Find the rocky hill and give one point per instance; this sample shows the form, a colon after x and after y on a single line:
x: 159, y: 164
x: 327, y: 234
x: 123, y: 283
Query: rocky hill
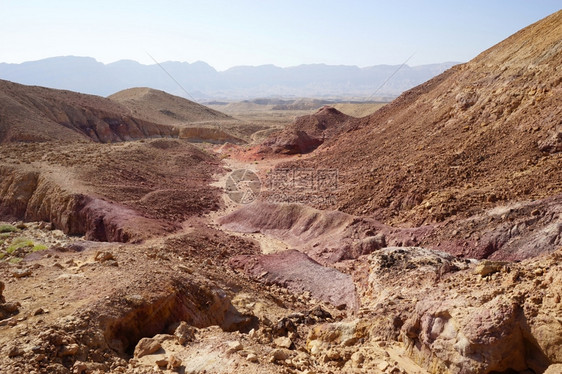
x: 32, y: 114
x: 161, y: 107
x: 109, y: 192
x: 481, y: 140
x: 307, y: 133
x: 134, y: 257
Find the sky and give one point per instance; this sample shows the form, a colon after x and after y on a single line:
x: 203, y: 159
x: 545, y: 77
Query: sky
x: 226, y: 33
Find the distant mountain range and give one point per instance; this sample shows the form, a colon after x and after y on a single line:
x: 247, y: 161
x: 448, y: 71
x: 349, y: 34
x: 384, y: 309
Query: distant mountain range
x: 202, y: 82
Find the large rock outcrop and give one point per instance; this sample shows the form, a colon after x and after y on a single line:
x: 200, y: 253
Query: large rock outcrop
x: 458, y: 317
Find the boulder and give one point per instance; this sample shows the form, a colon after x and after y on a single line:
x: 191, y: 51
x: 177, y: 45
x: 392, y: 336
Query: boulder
x: 234, y: 346
x: 146, y: 346
x: 554, y: 369
x: 184, y: 333
x: 488, y: 267
x: 283, y: 342
x: 279, y: 354
x: 326, y: 335
x: 174, y: 362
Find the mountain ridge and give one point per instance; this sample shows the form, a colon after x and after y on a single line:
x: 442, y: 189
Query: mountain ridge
x: 202, y: 81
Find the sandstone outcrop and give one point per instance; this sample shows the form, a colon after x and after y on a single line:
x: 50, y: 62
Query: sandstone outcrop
x: 510, y: 322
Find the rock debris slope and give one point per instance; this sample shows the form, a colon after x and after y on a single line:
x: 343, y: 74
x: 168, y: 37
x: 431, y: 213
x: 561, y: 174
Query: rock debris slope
x: 482, y: 137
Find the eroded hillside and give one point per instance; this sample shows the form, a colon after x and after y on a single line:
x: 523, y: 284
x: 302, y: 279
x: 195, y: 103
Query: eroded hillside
x: 483, y: 137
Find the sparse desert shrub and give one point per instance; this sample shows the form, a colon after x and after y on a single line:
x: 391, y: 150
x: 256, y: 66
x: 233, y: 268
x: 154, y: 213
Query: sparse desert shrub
x: 6, y: 228
x: 19, y: 243
x: 19, y: 247
x: 38, y: 247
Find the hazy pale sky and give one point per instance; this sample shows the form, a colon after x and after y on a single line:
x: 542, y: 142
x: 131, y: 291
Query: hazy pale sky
x: 226, y: 33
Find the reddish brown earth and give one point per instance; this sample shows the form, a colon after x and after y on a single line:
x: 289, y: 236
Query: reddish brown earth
x: 117, y: 192
x: 326, y: 236
x: 480, y: 137
x: 297, y: 272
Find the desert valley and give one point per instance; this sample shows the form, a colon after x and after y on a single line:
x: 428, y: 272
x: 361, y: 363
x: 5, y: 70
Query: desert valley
x: 146, y: 233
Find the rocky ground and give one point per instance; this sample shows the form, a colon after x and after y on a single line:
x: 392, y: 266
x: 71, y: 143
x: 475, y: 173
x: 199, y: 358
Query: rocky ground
x: 83, y: 306
x: 204, y: 298
x: 183, y: 303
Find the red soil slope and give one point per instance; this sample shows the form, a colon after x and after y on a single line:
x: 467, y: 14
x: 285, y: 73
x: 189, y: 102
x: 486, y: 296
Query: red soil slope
x: 482, y: 135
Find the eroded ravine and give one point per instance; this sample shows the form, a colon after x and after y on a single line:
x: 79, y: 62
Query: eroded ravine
x: 268, y: 244
x: 399, y: 279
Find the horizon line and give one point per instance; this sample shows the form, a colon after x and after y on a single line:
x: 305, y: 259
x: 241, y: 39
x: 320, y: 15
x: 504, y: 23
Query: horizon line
x: 232, y: 67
